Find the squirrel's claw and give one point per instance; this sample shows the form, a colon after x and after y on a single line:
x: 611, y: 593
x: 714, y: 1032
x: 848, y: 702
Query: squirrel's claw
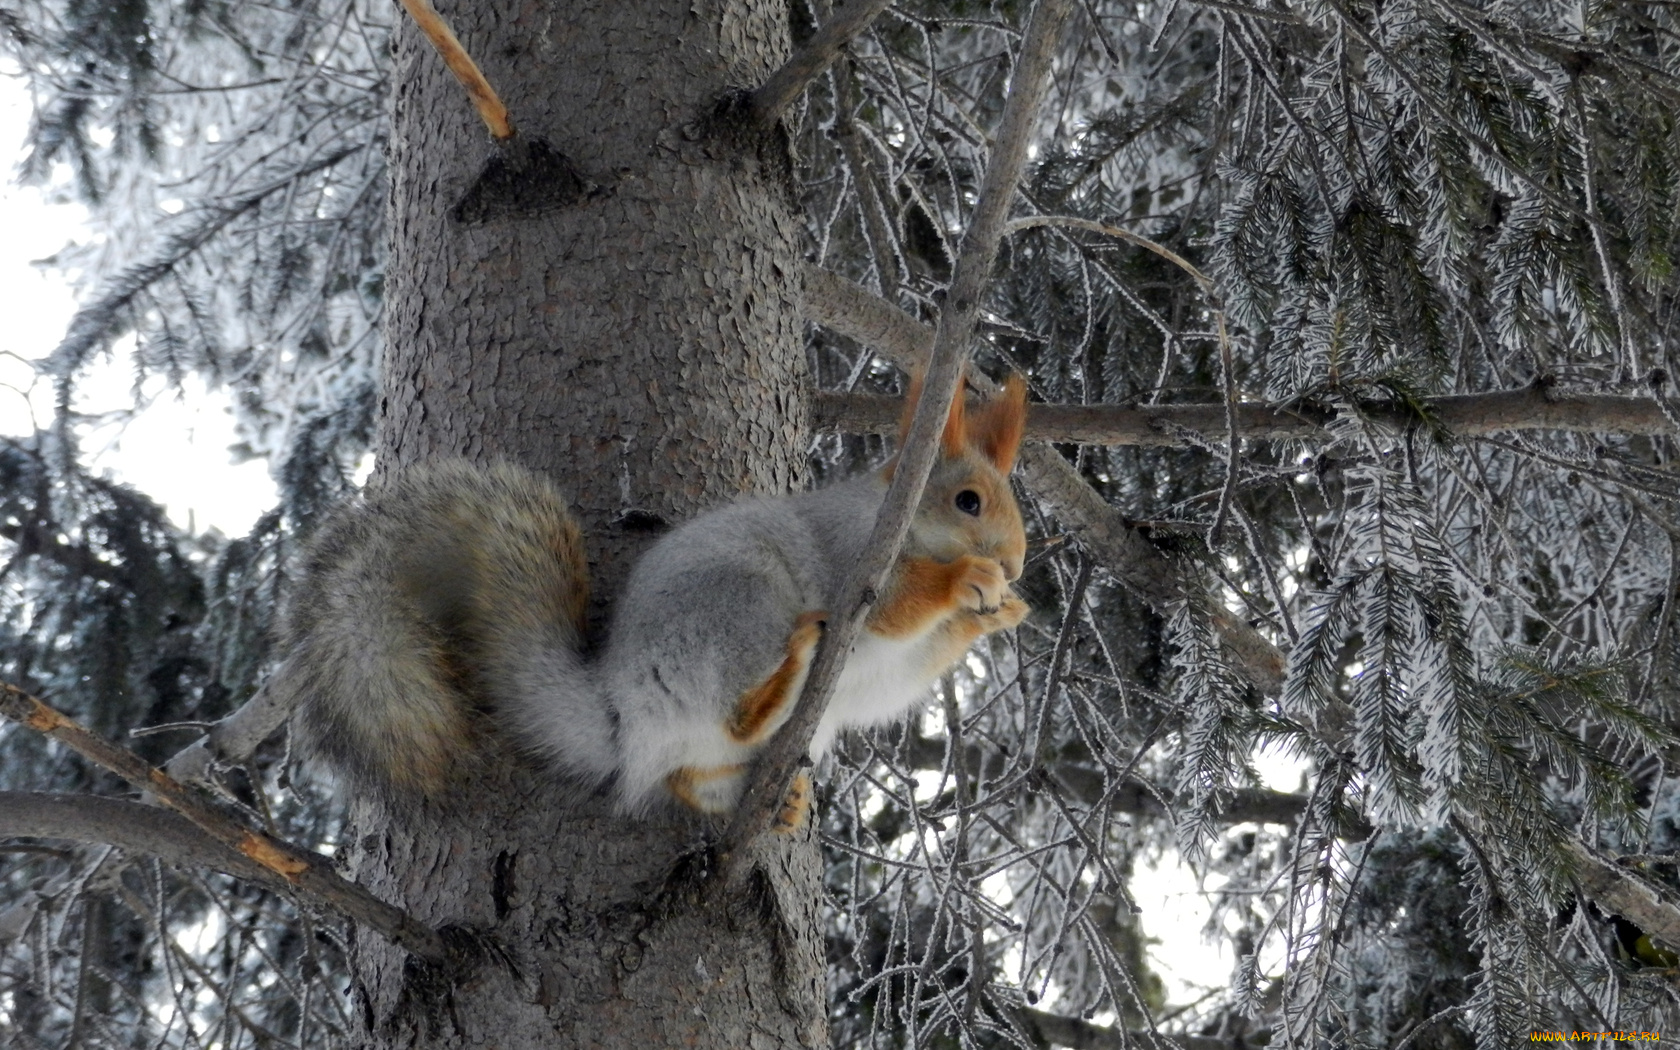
x: 986, y: 585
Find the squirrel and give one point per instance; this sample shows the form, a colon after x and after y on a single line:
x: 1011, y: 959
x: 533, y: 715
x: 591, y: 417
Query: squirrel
x: 453, y: 599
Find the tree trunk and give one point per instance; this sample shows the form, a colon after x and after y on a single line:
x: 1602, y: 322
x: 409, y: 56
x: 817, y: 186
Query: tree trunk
x: 636, y: 334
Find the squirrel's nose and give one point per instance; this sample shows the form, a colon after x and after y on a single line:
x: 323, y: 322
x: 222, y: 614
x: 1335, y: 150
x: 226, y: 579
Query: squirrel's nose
x: 1011, y: 566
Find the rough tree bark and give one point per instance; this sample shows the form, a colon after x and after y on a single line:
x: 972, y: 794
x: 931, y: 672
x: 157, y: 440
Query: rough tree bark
x: 635, y: 333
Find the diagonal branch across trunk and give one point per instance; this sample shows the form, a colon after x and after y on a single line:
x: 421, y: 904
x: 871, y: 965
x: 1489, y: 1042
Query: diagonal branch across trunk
x: 825, y: 45
x: 853, y: 311
x: 774, y: 769
x: 130, y: 826
x: 307, y: 873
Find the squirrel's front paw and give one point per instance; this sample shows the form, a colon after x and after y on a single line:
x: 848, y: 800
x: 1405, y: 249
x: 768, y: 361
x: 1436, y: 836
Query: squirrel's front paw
x: 1009, y: 613
x: 982, y: 586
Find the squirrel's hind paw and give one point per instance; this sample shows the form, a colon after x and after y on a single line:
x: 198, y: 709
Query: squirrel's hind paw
x: 796, y: 807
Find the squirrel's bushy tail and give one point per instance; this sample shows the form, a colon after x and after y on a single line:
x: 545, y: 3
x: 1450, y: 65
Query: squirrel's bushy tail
x: 451, y: 592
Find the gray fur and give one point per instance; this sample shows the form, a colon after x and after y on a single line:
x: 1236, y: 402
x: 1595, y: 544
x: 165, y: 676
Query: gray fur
x: 391, y: 655
x: 706, y: 613
x: 457, y: 592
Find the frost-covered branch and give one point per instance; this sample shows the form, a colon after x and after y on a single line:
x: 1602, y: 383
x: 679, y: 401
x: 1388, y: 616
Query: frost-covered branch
x: 773, y: 770
x: 1086, y: 784
x: 1621, y: 892
x: 825, y: 45
x: 1055, y: 1030
x: 853, y: 311
x: 99, y: 318
x: 1463, y: 415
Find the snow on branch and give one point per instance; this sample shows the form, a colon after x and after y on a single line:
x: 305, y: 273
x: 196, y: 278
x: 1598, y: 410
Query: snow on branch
x: 95, y: 321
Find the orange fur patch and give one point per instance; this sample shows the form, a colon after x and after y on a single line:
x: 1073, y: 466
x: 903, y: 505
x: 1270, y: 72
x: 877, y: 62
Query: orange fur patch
x: 953, y: 439
x: 952, y: 639
x: 758, y: 706
x: 920, y: 592
x: 996, y: 427
x: 796, y: 807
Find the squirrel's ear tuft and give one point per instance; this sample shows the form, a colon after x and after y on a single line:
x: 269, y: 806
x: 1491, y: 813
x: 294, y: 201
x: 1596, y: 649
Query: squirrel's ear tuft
x: 912, y: 394
x: 997, y: 426
x: 954, y: 439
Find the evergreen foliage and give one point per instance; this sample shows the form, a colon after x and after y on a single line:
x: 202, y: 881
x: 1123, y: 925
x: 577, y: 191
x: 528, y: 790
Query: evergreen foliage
x: 1394, y: 199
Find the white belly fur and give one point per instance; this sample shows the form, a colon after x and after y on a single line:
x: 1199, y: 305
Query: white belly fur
x: 882, y: 679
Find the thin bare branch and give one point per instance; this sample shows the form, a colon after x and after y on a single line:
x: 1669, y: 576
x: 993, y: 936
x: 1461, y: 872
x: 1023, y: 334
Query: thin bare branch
x: 853, y: 311
x: 1464, y: 415
x: 308, y: 873
x: 1142, y: 567
x: 233, y: 739
x: 787, y: 83
x: 1074, y: 222
x: 133, y: 827
x: 774, y: 769
x: 484, y: 97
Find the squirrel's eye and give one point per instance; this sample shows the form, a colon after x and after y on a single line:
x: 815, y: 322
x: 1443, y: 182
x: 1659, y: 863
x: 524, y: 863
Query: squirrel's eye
x: 968, y: 501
